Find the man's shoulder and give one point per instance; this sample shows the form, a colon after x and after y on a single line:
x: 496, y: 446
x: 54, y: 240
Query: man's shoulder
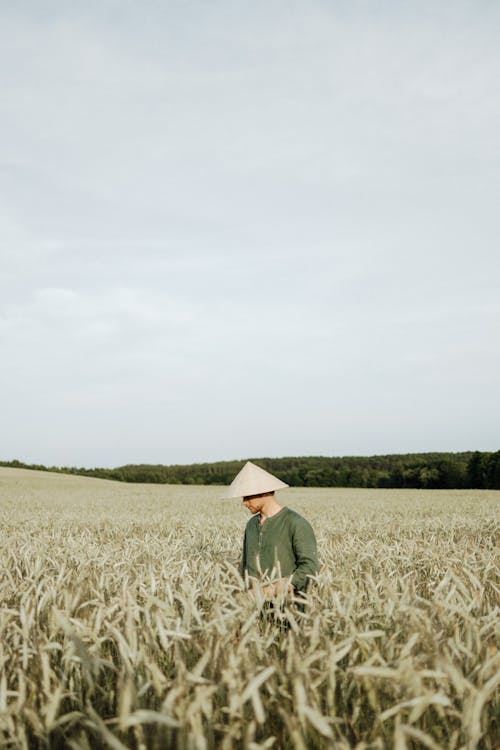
x: 253, y: 522
x: 296, y: 521
x: 295, y: 518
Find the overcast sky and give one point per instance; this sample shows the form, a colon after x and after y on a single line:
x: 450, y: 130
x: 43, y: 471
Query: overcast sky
x: 241, y: 229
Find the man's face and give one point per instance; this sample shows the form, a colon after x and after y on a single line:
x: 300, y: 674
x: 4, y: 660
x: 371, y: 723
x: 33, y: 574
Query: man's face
x: 255, y: 503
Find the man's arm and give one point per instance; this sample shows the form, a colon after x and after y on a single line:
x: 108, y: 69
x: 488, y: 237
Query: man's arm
x: 243, y: 561
x: 306, y: 556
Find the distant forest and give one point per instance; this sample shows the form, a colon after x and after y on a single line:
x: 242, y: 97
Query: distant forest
x: 411, y: 470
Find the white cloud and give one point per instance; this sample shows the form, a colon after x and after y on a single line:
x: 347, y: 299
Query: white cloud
x: 215, y: 211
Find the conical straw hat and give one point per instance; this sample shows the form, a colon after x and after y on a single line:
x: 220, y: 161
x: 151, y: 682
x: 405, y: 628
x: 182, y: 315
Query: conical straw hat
x: 252, y: 480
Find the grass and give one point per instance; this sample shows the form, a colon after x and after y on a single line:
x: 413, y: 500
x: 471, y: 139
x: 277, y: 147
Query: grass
x: 124, y: 624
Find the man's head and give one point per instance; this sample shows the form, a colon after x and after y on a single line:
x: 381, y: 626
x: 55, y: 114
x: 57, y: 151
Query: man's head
x: 253, y: 481
x: 255, y: 503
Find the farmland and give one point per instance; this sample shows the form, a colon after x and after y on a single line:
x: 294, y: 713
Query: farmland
x: 124, y: 623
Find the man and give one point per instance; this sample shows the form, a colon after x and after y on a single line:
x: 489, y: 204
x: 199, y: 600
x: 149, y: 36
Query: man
x: 279, y: 544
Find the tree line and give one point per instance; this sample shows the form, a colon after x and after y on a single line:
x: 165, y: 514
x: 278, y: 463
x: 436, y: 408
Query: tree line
x: 475, y: 470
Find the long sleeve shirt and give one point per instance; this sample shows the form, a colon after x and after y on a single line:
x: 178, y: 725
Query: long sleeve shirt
x: 283, y: 545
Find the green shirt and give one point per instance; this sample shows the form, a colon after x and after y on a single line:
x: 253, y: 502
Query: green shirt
x: 284, y: 545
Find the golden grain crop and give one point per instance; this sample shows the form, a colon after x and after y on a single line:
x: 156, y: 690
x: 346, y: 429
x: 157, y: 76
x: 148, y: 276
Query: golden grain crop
x: 123, y: 622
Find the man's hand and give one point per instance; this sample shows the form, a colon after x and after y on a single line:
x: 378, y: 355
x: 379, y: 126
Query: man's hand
x: 278, y: 588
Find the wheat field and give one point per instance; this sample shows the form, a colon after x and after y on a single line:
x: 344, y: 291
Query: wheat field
x: 124, y: 623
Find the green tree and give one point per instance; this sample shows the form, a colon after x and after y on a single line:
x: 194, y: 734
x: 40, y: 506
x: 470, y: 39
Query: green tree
x: 476, y: 470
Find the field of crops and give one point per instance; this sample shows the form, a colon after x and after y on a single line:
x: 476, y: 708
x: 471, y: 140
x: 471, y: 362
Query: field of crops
x: 124, y: 624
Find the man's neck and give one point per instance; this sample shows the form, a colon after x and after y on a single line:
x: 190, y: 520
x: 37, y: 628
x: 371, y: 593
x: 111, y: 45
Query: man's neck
x: 269, y: 509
